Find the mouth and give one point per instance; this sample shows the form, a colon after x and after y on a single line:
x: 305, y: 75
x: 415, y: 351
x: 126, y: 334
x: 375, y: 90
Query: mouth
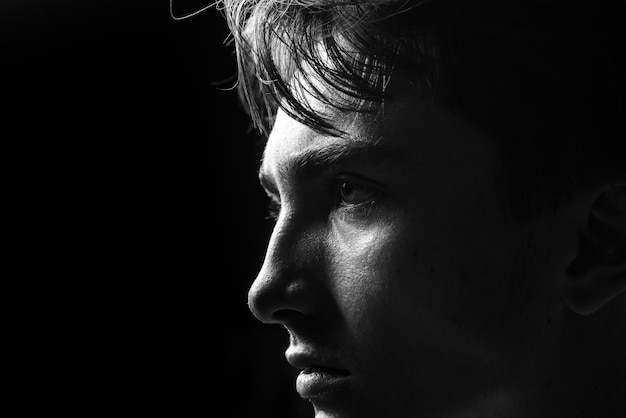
x: 322, y: 383
x: 322, y: 377
x: 327, y: 370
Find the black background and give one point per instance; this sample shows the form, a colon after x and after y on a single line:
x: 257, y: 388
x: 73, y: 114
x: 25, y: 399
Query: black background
x: 137, y: 216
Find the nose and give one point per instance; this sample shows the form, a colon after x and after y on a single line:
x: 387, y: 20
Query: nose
x: 290, y: 282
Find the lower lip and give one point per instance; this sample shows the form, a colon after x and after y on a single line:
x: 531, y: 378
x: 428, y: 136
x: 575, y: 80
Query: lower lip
x: 321, y: 384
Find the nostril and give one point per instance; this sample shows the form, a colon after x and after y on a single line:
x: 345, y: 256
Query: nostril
x: 275, y: 299
x: 285, y: 316
x: 277, y: 294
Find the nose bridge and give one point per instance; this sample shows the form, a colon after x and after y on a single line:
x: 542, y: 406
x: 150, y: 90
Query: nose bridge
x: 288, y: 278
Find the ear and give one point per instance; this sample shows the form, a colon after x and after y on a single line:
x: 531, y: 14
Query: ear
x: 597, y: 273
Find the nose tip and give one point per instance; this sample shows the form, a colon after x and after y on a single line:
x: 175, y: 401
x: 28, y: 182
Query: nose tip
x: 259, y: 301
x: 284, y: 291
x: 272, y: 298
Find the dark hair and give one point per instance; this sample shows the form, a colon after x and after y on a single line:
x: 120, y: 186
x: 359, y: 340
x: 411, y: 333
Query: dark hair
x: 546, y: 77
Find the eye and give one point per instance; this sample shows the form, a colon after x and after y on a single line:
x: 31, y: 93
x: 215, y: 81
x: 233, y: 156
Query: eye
x: 273, y: 209
x: 352, y: 193
x: 354, y: 199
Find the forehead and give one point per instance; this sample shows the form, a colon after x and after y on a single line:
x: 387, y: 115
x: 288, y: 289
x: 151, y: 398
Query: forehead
x: 290, y: 138
x: 407, y: 130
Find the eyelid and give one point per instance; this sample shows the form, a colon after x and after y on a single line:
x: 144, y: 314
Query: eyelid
x: 355, y: 210
x: 360, y: 180
x: 361, y: 209
x: 357, y: 193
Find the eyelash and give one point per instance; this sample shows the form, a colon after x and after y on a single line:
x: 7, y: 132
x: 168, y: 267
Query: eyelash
x: 353, y: 210
x: 273, y: 209
x: 363, y: 206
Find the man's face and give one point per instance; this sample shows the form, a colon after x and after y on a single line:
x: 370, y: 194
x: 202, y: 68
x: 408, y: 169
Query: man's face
x: 396, y: 267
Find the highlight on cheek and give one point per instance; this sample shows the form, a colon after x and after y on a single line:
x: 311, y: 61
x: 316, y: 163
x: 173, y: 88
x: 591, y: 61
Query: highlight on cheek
x: 355, y: 232
x: 361, y: 211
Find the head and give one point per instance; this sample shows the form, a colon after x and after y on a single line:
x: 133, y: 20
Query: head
x: 451, y: 231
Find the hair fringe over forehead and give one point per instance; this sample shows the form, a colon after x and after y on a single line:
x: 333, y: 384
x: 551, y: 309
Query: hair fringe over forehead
x: 287, y: 48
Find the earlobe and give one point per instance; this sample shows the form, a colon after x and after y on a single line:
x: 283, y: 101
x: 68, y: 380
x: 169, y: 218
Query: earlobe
x: 597, y: 274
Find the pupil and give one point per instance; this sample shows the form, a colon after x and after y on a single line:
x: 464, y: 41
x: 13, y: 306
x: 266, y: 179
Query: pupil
x: 346, y: 189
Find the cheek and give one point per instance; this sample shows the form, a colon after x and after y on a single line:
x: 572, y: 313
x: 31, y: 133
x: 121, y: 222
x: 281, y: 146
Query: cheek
x: 444, y: 282
x: 468, y: 288
x: 378, y: 280
x: 358, y: 260
x: 444, y: 288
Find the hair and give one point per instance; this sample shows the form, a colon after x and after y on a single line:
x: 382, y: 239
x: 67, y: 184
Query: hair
x: 545, y: 77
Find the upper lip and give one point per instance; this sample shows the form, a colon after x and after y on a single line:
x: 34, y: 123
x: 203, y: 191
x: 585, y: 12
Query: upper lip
x: 311, y: 361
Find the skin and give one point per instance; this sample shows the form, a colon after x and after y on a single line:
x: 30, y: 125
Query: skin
x: 395, y: 258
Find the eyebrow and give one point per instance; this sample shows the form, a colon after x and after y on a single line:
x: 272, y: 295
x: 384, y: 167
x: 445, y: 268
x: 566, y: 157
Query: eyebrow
x: 312, y: 161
